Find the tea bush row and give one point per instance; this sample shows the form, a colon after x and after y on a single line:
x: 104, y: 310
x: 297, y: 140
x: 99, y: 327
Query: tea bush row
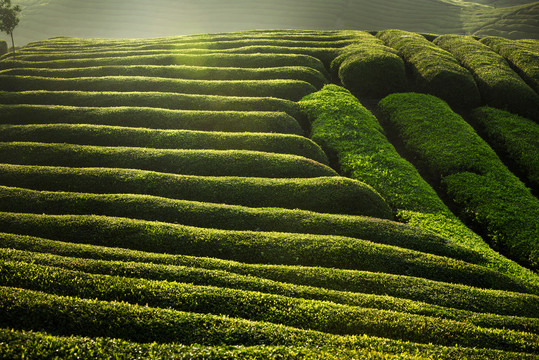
x: 473, y: 176
x: 212, y: 60
x: 232, y: 217
x: 436, y: 71
x: 138, y: 117
x: 322, y: 316
x: 223, y: 279
x: 39, y: 345
x: 299, y: 73
x: 325, y: 55
x: 186, y: 162
x: 171, y: 101
x: 103, y: 135
x: 283, y: 89
x: 254, y: 247
x: 257, y: 335
x: 397, y: 286
x: 318, y: 38
x: 64, y: 315
x: 515, y: 138
x: 207, y: 44
x: 346, y: 129
x: 323, y: 194
x: 521, y: 57
x: 370, y: 68
x: 499, y: 85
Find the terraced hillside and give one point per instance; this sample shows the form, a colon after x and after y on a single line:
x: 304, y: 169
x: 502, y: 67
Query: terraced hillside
x: 270, y: 194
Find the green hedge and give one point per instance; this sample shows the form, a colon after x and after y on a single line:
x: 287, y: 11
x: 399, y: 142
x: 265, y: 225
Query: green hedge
x: 499, y: 85
x: 37, y: 345
x: 515, y: 138
x: 103, y: 135
x: 3, y: 47
x: 221, y: 43
x: 212, y: 60
x: 186, y: 162
x: 169, y: 101
x: 299, y: 313
x: 245, y: 48
x: 343, y: 127
x: 111, y: 57
x: 254, y: 247
x: 325, y: 54
x: 227, y: 280
x: 142, y: 117
x: 66, y: 315
x: 322, y: 194
x: 210, y: 44
x: 80, y: 44
x: 347, y: 130
x: 436, y: 71
x: 484, y: 190
x: 370, y: 68
x: 283, y: 89
x: 302, y: 73
x: 230, y: 217
x: 361, y: 282
x: 519, y: 55
x: 24, y: 309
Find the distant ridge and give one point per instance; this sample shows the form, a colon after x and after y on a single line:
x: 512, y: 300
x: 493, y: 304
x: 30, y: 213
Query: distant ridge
x: 134, y: 19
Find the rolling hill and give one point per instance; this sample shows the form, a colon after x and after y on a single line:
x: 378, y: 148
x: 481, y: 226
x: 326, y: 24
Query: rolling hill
x: 127, y: 19
x: 270, y: 194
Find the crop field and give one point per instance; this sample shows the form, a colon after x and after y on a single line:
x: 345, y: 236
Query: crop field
x: 279, y: 194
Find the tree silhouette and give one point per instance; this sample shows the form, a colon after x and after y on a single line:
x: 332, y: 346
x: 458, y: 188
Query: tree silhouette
x: 9, y: 19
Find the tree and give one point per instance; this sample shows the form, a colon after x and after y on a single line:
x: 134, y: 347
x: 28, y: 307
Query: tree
x: 9, y: 19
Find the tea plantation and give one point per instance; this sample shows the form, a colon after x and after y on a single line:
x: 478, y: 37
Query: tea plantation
x: 270, y: 194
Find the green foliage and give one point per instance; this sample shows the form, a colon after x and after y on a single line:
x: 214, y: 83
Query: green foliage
x: 522, y: 56
x: 360, y: 282
x: 186, y: 162
x: 342, y: 126
x: 9, y: 18
x: 232, y: 217
x: 256, y: 253
x: 3, y: 47
x: 475, y: 178
x: 103, y: 135
x: 143, y: 100
x: 436, y: 71
x: 37, y: 345
x: 215, y: 60
x: 140, y: 117
x: 299, y: 313
x: 499, y: 85
x: 284, y: 89
x: 370, y: 68
x: 254, y: 247
x: 218, y: 279
x: 326, y: 55
x: 514, y: 137
x: 215, y: 42
x: 323, y: 194
x: 301, y: 73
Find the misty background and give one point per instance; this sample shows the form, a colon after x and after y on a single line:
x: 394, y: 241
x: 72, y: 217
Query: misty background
x: 42, y: 19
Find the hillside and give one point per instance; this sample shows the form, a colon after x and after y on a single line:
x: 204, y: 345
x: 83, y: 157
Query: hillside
x: 127, y: 19
x: 270, y: 194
